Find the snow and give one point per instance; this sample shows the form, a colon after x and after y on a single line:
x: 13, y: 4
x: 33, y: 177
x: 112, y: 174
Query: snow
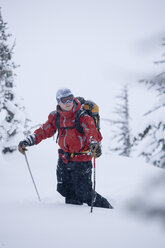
x: 92, y: 56
x: 26, y: 222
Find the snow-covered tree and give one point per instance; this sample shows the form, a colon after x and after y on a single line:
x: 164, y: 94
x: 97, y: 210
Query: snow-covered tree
x: 162, y: 60
x: 152, y: 132
x: 12, y: 117
x: 121, y: 128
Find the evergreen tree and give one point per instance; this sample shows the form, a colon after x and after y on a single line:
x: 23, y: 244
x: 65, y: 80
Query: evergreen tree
x: 122, y: 137
x: 12, y: 118
x: 151, y: 140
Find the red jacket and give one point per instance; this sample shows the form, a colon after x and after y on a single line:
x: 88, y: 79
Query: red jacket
x: 70, y: 140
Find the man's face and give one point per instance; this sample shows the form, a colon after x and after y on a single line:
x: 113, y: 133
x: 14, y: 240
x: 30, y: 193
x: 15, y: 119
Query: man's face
x: 66, y: 106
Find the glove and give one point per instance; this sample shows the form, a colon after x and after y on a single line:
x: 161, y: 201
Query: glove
x: 29, y: 141
x: 95, y: 149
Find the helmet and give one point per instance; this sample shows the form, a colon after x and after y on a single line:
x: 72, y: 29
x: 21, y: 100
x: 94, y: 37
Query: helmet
x: 63, y: 92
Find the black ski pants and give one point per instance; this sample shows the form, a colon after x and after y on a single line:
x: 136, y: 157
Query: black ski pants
x: 74, y: 183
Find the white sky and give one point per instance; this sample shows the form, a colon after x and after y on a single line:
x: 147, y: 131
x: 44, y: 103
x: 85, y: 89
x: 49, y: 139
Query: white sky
x: 90, y: 46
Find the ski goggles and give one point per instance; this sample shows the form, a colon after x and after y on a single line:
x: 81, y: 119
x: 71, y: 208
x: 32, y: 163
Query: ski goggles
x: 66, y: 99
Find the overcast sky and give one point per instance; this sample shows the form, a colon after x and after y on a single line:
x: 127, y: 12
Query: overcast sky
x: 90, y: 46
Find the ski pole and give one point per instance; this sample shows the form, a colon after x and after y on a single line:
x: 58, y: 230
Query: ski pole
x: 94, y: 183
x: 31, y: 176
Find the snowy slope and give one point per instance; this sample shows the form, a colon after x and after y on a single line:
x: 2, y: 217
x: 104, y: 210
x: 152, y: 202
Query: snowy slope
x: 26, y: 222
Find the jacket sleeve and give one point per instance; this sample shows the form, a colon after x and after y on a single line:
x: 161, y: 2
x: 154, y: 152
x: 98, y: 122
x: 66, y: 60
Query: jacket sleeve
x: 90, y: 130
x: 47, y: 130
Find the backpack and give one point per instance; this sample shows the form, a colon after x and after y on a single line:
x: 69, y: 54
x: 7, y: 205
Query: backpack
x: 87, y: 107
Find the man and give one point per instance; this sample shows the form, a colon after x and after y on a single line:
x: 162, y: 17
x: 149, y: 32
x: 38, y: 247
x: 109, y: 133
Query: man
x: 74, y: 167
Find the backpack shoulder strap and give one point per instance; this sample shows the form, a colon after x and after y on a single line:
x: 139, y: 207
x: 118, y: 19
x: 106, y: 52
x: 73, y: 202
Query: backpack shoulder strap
x: 77, y: 126
x: 57, y: 120
x: 80, y: 112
